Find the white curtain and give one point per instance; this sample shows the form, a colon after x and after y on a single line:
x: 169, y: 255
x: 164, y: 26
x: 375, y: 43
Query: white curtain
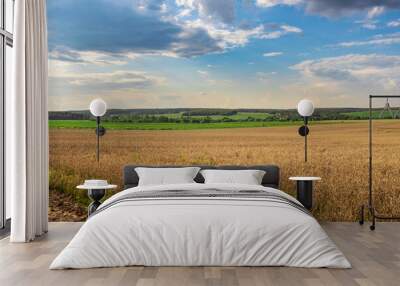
x: 27, y: 123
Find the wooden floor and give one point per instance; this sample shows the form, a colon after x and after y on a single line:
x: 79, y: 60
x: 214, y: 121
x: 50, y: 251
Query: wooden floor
x: 375, y: 257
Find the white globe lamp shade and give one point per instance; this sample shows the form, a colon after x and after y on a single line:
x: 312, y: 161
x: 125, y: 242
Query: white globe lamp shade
x: 98, y: 107
x: 305, y: 107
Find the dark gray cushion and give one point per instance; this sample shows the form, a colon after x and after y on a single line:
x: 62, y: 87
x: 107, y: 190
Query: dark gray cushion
x: 270, y: 179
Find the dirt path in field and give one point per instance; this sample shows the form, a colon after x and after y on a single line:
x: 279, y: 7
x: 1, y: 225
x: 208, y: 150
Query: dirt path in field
x: 63, y: 207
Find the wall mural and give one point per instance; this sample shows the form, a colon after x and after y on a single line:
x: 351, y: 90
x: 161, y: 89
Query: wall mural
x: 218, y: 82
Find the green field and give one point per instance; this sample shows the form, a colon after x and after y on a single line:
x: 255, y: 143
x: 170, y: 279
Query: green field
x: 375, y: 114
x: 177, y: 126
x: 162, y: 126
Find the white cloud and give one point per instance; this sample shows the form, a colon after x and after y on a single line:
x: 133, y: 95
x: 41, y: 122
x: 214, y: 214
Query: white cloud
x: 226, y: 36
x: 211, y: 10
x: 369, y: 22
x: 291, y: 29
x: 272, y: 54
x: 215, y: 18
x: 87, y: 57
x: 394, y: 24
x: 203, y: 73
x: 335, y: 8
x: 344, y: 80
x: 370, y: 25
x: 109, y: 80
x: 229, y: 37
x: 272, y: 3
x: 387, y: 39
x: 371, y: 72
x: 163, y: 8
x: 183, y: 13
x: 375, y: 12
x: 281, y: 31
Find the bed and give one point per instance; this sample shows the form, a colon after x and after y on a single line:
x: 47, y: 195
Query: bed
x: 198, y: 224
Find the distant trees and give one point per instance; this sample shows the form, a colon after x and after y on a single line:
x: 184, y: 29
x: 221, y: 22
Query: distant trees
x: 214, y: 115
x: 209, y: 112
x: 68, y: 115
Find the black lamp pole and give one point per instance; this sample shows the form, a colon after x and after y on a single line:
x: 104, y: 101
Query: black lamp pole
x: 100, y: 131
x: 305, y: 137
x: 303, y: 131
x: 98, y: 139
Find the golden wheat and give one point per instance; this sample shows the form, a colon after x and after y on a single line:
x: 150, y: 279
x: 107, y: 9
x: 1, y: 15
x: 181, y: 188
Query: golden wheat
x: 337, y: 152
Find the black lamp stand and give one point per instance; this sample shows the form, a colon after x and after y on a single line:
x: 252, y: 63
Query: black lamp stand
x: 100, y: 131
x: 303, y: 131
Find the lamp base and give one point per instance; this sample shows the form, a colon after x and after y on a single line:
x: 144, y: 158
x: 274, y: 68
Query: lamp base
x: 305, y: 193
x: 96, y: 195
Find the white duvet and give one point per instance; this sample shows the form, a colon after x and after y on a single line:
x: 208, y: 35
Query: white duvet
x: 199, y: 231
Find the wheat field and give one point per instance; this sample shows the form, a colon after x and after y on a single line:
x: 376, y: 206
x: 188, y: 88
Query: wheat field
x: 337, y: 152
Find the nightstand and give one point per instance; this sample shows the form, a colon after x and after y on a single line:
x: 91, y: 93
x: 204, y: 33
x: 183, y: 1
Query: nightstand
x: 96, y: 190
x: 305, y: 190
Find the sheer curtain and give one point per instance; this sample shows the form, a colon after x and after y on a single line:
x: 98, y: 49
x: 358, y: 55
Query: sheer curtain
x: 27, y: 123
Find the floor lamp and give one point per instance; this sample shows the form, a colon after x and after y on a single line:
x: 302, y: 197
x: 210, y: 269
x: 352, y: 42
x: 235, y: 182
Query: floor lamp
x: 98, y: 108
x: 370, y: 207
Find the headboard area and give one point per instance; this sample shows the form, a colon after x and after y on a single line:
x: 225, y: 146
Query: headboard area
x: 271, y: 177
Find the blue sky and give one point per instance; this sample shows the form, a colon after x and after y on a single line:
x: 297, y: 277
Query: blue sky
x: 232, y: 54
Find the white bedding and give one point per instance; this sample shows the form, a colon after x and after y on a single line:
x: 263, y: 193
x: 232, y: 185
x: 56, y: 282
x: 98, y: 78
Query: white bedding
x: 200, y: 231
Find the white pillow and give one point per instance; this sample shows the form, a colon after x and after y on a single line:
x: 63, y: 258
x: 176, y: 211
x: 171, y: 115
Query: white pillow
x: 248, y: 177
x: 165, y: 176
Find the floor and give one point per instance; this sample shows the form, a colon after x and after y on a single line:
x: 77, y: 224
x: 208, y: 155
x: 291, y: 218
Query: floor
x: 375, y: 257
